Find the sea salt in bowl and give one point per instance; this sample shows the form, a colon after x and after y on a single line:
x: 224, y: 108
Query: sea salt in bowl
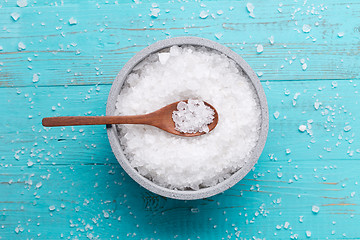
x: 150, y: 156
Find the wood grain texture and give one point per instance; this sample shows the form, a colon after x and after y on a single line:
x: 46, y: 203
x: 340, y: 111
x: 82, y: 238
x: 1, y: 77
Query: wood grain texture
x: 64, y: 183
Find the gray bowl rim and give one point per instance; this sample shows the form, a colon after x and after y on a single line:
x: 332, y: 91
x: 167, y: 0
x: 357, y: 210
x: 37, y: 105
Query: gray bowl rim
x: 186, y: 194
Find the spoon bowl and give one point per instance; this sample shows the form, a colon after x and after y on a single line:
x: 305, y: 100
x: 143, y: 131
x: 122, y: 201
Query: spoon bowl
x: 161, y: 118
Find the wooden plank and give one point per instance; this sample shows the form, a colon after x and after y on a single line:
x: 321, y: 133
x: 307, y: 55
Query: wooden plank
x: 96, y: 48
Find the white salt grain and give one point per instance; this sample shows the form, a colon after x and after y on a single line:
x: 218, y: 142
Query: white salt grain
x: 271, y: 40
x: 35, y: 78
x: 304, y: 66
x: 315, y: 209
x: 306, y: 28
x: 203, y: 14
x: 250, y: 8
x: 347, y: 128
x: 302, y: 128
x: 341, y: 34
x: 276, y: 115
x: 72, y: 21
x: 189, y: 73
x: 154, y: 12
x: 15, y: 16
x: 21, y: 46
x: 218, y: 35
x: 259, y: 48
x: 193, y: 116
x: 21, y: 3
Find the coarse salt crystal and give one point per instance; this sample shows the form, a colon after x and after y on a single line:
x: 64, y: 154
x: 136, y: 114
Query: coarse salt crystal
x: 35, y: 78
x: 21, y: 46
x: 15, y: 16
x: 163, y: 57
x: 21, y: 3
x: 341, y: 34
x: 154, y: 12
x: 218, y: 35
x: 306, y: 28
x: 259, y: 48
x: 347, y: 128
x: 276, y: 115
x: 302, y: 128
x: 315, y: 209
x: 203, y: 14
x: 250, y: 8
x: 72, y: 21
x: 271, y: 40
x: 193, y: 116
x: 304, y: 66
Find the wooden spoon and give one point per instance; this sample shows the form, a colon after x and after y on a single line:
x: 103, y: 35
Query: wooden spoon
x: 161, y: 118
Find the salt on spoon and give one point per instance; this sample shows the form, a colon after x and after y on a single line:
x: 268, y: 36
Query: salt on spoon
x: 196, y: 118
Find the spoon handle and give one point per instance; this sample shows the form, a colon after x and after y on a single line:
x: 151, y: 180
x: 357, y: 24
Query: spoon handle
x: 96, y: 120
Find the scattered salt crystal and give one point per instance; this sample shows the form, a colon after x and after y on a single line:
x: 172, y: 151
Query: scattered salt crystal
x: 259, y: 48
x: 35, y: 78
x: 30, y: 163
x: 38, y: 185
x: 306, y: 28
x: 203, y: 14
x: 193, y: 116
x: 308, y: 234
x: 288, y: 151
x: 21, y: 46
x: 219, y: 12
x: 271, y: 40
x: 276, y: 115
x: 218, y: 35
x: 304, y: 66
x: 52, y: 208
x: 15, y: 16
x: 106, y: 214
x: 315, y: 209
x: 317, y: 104
x: 302, y: 128
x: 286, y: 225
x: 154, y: 12
x: 72, y: 21
x: 21, y: 3
x: 250, y: 8
x: 334, y: 84
x: 341, y: 34
x: 347, y: 128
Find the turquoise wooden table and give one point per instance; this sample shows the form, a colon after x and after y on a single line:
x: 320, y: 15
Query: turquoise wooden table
x: 59, y: 58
